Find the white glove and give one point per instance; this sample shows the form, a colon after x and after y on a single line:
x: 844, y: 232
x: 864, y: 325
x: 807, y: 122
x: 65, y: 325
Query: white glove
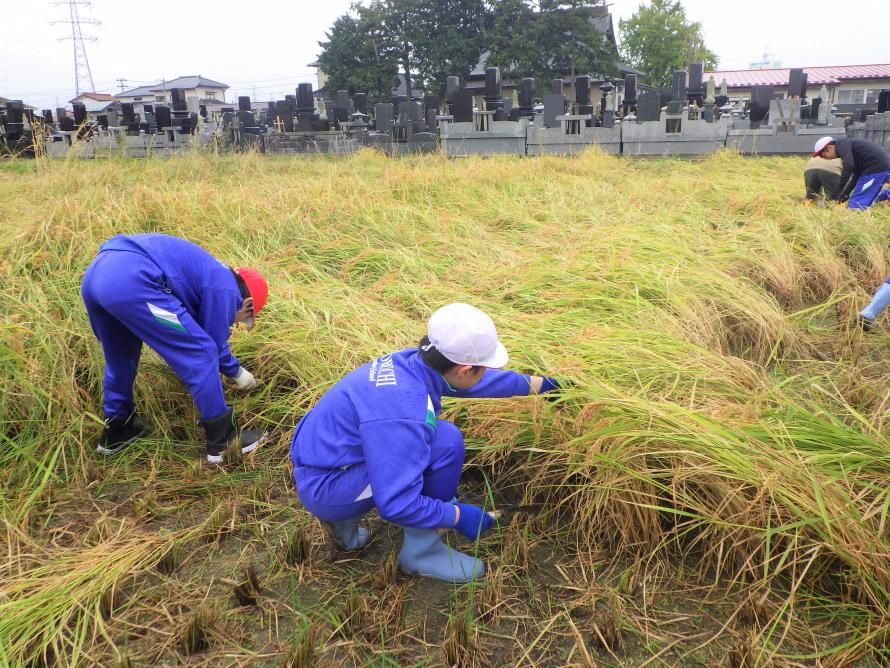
x: 244, y: 380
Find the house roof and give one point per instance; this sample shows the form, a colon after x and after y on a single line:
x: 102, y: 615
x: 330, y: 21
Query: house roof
x: 816, y: 76
x: 99, y: 97
x: 192, y: 81
x: 4, y: 100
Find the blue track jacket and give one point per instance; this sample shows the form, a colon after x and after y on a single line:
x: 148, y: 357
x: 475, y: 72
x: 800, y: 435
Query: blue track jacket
x: 383, y: 415
x: 205, y: 286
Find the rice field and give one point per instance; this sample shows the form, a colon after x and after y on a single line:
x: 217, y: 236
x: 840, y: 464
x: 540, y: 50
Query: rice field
x: 716, y: 482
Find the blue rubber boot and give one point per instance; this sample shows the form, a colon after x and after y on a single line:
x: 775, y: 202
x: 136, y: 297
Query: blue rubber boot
x: 424, y: 553
x: 347, y: 534
x: 879, y: 302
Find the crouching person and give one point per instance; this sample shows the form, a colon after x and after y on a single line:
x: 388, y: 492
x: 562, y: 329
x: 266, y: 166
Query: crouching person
x: 374, y: 440
x: 180, y: 300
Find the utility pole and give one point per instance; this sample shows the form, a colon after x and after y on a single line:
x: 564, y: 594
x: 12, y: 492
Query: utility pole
x: 83, y: 77
x: 121, y: 82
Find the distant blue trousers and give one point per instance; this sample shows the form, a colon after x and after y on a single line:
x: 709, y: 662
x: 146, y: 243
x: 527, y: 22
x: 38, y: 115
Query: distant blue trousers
x: 338, y: 494
x: 128, y: 303
x: 868, y: 190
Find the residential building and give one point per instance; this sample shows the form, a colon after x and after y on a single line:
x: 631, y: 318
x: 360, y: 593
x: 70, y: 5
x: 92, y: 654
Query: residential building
x: 95, y: 103
x: 850, y: 87
x: 198, y: 90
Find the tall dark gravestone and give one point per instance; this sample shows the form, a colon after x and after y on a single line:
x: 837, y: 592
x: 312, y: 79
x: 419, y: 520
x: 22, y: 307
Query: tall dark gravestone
x: 244, y: 103
x: 761, y: 96
x: 884, y: 101
x: 305, y: 100
x: 694, y: 92
x: 462, y: 108
x: 554, y: 105
x: 649, y: 106
x: 383, y: 113
x: 177, y: 99
x: 797, y: 83
x: 494, y: 100
x: 556, y: 87
x: 452, y: 85
x: 629, y: 104
x: 48, y: 116
x: 162, y: 116
x: 360, y: 102
x: 582, y: 95
x: 678, y: 92
x: 80, y: 113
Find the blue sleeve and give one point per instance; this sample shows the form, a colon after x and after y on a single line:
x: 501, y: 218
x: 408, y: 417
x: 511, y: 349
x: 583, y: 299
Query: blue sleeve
x: 216, y: 317
x: 496, y: 383
x: 397, y: 453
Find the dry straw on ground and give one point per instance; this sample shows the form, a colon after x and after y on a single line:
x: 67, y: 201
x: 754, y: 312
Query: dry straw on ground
x: 726, y: 434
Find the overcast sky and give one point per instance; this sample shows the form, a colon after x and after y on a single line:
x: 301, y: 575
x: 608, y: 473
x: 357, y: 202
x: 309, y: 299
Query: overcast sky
x: 262, y: 48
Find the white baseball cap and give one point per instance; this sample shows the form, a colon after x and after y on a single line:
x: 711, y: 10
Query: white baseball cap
x: 821, y: 144
x: 465, y: 335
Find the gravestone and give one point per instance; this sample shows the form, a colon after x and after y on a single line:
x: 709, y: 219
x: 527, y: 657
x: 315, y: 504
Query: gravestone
x: 80, y: 113
x: 202, y: 111
x: 649, y: 106
x: 678, y: 92
x: 304, y: 100
x: 47, y: 116
x: 177, y: 99
x: 494, y: 100
x: 244, y: 103
x: 283, y: 118
x: 462, y: 108
x: 630, y: 95
x: 554, y: 105
x: 452, y: 85
x: 526, y: 97
x: 102, y: 120
x: 797, y: 83
x: 884, y: 101
x: 556, y: 87
x: 383, y: 113
x: 162, y: 116
x: 694, y: 92
x: 582, y: 96
x: 761, y: 96
x: 360, y: 103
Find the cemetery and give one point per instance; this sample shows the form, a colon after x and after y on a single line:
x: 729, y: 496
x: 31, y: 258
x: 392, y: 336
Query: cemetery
x: 691, y: 117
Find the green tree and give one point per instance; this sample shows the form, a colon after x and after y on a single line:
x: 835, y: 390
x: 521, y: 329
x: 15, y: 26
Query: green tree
x: 659, y: 39
x: 550, y: 38
x: 424, y: 40
x: 359, y: 55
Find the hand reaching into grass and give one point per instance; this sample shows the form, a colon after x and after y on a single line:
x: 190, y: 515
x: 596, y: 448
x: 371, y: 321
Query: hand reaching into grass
x: 244, y: 380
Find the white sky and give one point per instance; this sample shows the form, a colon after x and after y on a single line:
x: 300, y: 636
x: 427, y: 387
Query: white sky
x: 269, y: 45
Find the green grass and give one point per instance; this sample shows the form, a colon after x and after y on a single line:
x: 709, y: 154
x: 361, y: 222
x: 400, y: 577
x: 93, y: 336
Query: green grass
x: 727, y: 427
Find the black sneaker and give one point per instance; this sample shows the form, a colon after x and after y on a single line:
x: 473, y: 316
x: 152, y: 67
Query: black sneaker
x: 222, y: 430
x: 119, y: 433
x: 865, y: 323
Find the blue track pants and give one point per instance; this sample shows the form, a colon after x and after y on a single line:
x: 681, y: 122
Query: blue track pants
x: 339, y: 494
x: 128, y: 303
x: 868, y: 191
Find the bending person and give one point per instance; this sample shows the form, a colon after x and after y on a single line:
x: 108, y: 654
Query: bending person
x: 374, y: 440
x: 180, y: 300
x: 866, y: 170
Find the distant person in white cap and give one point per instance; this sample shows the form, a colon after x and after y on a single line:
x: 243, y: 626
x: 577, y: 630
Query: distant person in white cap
x: 374, y: 440
x: 866, y: 170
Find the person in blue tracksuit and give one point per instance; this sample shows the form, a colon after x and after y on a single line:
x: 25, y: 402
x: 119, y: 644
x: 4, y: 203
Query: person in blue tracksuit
x: 866, y: 170
x: 180, y: 300
x: 374, y: 440
x: 876, y: 306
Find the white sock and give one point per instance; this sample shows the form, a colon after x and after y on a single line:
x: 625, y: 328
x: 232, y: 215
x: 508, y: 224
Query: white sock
x: 878, y: 303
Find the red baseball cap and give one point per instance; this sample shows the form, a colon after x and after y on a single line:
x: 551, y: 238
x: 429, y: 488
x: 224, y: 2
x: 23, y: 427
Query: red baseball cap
x: 258, y: 289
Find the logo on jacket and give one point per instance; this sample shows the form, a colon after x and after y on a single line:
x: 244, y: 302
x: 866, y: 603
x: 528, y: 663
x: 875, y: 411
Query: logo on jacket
x: 382, y: 371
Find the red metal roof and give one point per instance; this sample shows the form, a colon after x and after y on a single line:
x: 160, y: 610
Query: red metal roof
x: 102, y: 97
x: 816, y: 76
